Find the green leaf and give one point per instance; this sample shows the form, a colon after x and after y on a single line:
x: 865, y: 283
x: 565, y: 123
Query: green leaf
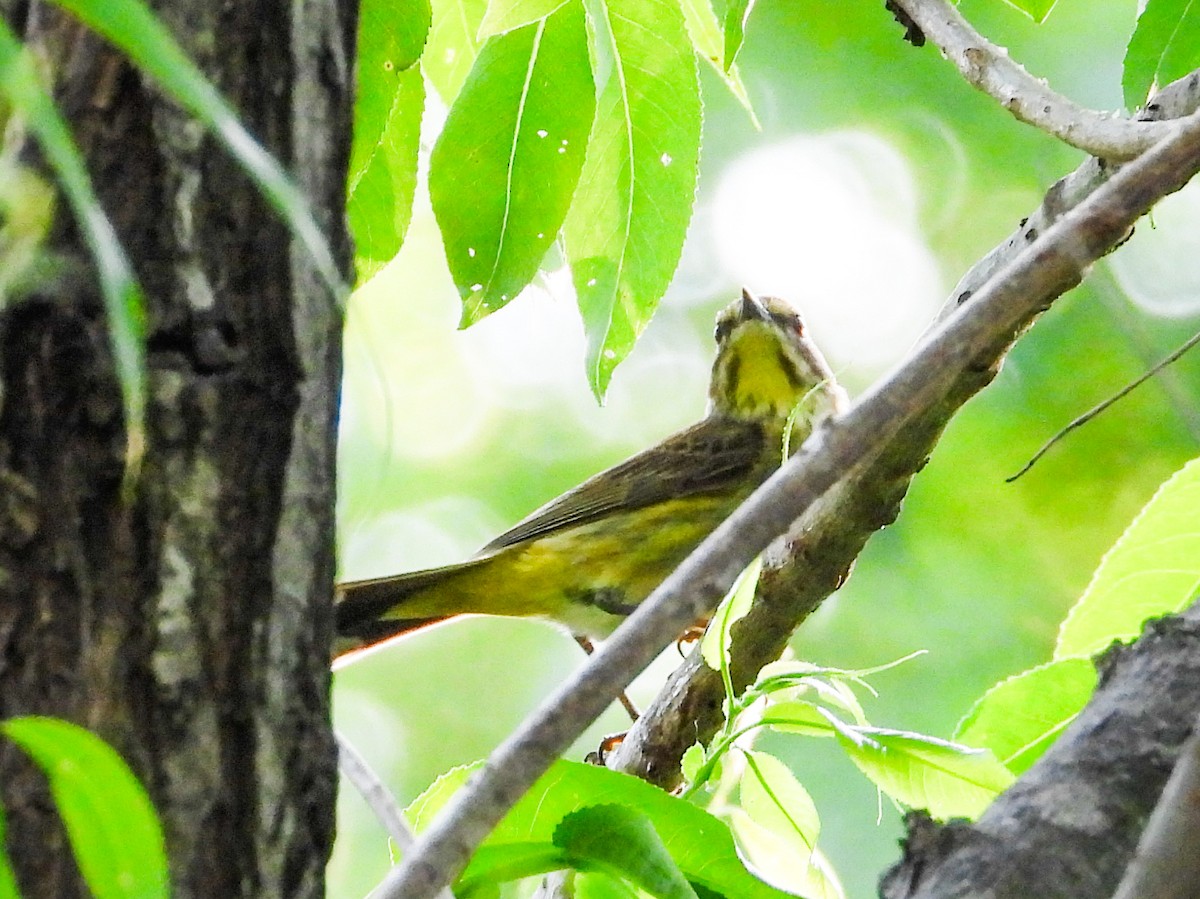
x: 382, y: 177
x: 736, y: 14
x: 130, y: 25
x: 832, y: 693
x: 705, y: 33
x: 1035, y: 9
x: 422, y: 810
x: 777, y: 828
x: 502, y: 862
x: 383, y: 166
x: 691, y: 761
x: 778, y: 863
x: 794, y: 679
x: 779, y: 674
x: 772, y: 797
x: 596, y: 885
x: 505, y: 15
x: 1153, y: 569
x: 392, y: 31
x: 503, y: 171
x: 785, y: 673
x: 1165, y: 46
x: 622, y: 840
x: 8, y: 878
x: 717, y: 639
x: 453, y: 45
x: 1020, y: 718
x: 123, y: 302
x: 946, y: 778
x: 796, y: 717
x: 625, y: 231
x: 109, y: 819
x: 700, y: 844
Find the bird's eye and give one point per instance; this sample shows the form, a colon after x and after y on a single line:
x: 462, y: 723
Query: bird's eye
x: 721, y: 331
x: 793, y: 322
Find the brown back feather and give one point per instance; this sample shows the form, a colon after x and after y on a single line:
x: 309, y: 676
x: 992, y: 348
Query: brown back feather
x: 708, y: 456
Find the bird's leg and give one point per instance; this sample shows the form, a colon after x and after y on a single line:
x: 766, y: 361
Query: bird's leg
x: 609, y: 743
x: 587, y: 646
x: 694, y: 632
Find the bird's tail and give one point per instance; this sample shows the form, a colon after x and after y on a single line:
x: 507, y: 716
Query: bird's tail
x: 370, y: 611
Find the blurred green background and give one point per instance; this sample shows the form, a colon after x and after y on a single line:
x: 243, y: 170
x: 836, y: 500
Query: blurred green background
x: 878, y: 177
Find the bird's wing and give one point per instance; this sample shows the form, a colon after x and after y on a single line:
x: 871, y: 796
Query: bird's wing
x: 708, y: 456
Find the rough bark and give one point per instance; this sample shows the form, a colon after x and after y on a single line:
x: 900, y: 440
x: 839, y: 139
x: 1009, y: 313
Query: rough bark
x: 1070, y: 825
x: 187, y: 621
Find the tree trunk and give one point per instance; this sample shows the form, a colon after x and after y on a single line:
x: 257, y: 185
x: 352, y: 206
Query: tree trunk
x: 186, y: 621
x: 1069, y: 826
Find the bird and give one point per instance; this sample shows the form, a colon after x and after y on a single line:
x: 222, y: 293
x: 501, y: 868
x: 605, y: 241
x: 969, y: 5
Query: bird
x: 586, y: 559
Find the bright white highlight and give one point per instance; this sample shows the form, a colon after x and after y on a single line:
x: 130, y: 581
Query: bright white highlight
x: 1156, y: 268
x: 830, y: 223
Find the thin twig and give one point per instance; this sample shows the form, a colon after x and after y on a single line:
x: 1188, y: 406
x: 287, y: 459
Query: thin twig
x: 372, y: 789
x: 377, y: 796
x: 1100, y: 407
x: 990, y: 69
x: 1044, y: 272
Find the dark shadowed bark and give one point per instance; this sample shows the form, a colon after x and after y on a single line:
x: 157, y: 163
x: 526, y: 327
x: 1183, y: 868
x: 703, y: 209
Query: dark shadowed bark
x: 1068, y: 828
x: 187, y: 620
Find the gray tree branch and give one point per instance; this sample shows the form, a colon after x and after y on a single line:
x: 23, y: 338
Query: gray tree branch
x: 374, y: 792
x: 804, y: 568
x: 378, y: 797
x: 990, y: 69
x: 1175, y: 101
x: 972, y: 340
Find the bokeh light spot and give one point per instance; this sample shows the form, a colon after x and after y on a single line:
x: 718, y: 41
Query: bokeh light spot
x: 830, y: 222
x: 1149, y: 266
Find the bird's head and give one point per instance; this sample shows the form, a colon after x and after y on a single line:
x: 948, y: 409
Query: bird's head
x: 765, y: 363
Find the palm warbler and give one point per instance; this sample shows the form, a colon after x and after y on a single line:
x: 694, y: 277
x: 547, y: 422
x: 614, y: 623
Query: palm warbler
x: 586, y: 559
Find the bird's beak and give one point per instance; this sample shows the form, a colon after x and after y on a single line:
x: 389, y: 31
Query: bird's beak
x: 752, y: 307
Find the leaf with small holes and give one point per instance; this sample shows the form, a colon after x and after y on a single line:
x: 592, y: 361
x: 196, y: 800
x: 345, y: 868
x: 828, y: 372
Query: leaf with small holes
x: 625, y: 231
x: 382, y: 176
x: 505, y: 167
